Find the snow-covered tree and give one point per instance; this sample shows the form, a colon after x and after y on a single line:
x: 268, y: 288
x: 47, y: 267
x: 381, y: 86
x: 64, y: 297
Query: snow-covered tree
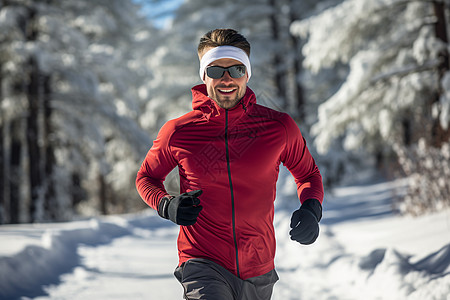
x: 391, y: 98
x: 113, y: 30
x: 70, y: 72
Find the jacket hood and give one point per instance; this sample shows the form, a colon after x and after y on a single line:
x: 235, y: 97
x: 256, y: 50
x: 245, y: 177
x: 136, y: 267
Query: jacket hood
x: 201, y: 101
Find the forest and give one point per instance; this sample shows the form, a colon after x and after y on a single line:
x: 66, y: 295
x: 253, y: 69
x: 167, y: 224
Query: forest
x: 85, y: 86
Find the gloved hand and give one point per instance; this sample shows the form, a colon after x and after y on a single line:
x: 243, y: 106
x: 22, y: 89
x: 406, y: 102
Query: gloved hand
x: 183, y: 209
x: 305, y: 222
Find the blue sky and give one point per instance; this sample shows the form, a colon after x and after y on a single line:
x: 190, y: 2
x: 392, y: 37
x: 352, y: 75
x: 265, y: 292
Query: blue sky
x: 160, y: 11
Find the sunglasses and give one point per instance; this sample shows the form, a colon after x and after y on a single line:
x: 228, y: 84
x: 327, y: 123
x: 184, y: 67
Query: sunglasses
x: 216, y: 72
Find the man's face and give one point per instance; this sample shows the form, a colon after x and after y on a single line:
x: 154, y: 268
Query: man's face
x: 226, y: 91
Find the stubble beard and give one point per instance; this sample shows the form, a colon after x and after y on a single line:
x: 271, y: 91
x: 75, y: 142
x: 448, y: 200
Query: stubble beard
x: 224, y: 101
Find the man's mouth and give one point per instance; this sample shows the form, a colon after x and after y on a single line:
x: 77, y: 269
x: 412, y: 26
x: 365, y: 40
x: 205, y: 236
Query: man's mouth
x: 226, y: 91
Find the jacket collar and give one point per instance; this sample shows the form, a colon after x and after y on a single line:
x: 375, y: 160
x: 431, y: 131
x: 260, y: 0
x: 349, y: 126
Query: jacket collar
x: 201, y: 101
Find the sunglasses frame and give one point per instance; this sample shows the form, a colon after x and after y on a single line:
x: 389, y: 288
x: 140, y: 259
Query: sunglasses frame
x: 231, y: 71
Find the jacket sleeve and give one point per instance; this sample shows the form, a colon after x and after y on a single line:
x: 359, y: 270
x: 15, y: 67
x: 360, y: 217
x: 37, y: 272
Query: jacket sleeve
x: 297, y: 158
x: 155, y: 167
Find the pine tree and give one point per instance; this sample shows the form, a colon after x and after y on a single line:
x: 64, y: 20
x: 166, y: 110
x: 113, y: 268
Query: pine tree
x: 73, y: 118
x: 388, y: 102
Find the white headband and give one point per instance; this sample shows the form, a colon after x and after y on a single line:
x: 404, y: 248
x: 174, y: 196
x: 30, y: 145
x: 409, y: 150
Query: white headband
x: 225, y: 52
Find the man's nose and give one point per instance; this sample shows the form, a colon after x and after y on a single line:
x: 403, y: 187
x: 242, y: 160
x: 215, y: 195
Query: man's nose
x: 226, y: 77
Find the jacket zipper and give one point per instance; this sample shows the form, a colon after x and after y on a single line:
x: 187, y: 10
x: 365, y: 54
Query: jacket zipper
x: 232, y: 193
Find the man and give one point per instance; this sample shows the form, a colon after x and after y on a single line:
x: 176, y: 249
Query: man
x: 228, y: 151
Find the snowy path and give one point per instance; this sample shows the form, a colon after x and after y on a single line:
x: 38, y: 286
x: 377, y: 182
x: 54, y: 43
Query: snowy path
x: 128, y: 268
x: 363, y: 252
x: 119, y: 257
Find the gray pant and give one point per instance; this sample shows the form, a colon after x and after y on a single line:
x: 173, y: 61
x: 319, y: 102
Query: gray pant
x: 204, y: 279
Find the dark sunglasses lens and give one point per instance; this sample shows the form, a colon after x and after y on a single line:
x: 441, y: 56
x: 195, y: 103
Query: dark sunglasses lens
x: 215, y: 72
x: 236, y: 71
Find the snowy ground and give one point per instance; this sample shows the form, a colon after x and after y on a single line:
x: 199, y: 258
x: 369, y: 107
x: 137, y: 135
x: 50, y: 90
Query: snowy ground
x: 363, y: 252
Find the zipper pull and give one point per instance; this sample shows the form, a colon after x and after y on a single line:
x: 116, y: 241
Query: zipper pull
x: 243, y: 106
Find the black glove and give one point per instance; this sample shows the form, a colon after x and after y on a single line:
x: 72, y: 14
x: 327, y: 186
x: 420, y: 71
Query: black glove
x: 183, y: 209
x: 305, y: 222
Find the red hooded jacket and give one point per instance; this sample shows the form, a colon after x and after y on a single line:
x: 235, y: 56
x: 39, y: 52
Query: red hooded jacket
x: 233, y: 156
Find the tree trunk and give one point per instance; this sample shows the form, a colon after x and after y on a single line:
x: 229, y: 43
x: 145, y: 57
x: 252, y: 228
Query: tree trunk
x: 33, y: 97
x: 440, y: 29
x: 298, y: 91
x: 102, y: 194
x: 297, y: 66
x: 33, y: 139
x: 440, y: 135
x: 15, y: 173
x: 50, y: 202
x: 277, y: 61
x: 2, y: 157
x: 77, y: 193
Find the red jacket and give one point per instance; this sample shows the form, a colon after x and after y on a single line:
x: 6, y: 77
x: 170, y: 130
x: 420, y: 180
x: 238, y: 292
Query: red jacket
x: 233, y: 156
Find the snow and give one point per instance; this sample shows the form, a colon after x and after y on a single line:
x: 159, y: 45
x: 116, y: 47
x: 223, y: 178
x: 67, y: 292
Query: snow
x: 364, y: 251
x: 392, y: 59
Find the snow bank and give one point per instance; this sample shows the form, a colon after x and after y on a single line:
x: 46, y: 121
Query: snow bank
x: 389, y: 274
x: 364, y: 251
x: 28, y: 271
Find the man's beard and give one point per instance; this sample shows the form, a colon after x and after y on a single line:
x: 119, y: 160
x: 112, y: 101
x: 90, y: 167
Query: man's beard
x: 226, y: 101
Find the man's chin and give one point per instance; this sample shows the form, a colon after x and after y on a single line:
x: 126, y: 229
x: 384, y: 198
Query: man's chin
x: 227, y: 104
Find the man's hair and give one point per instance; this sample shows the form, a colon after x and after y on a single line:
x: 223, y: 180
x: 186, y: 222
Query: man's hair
x: 223, y: 37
